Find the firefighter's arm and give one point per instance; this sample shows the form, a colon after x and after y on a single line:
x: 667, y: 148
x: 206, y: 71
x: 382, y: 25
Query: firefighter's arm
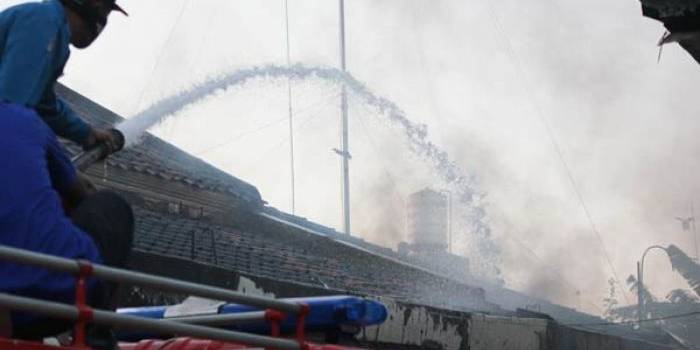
x: 72, y: 185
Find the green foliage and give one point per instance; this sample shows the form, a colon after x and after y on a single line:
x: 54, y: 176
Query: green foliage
x: 688, y: 268
x: 610, y: 302
x: 682, y: 297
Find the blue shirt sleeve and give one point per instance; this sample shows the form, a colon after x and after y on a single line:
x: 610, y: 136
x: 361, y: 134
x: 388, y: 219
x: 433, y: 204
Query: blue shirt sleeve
x: 30, y: 47
x: 32, y: 58
x: 61, y: 169
x: 61, y: 118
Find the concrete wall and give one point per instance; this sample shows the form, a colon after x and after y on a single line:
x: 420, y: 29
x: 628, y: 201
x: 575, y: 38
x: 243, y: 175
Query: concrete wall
x: 507, y: 333
x: 568, y: 338
x: 419, y: 327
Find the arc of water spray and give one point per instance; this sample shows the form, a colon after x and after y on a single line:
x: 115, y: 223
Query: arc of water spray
x: 417, y: 134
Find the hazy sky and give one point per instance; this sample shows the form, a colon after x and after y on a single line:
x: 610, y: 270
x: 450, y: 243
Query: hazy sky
x: 485, y: 76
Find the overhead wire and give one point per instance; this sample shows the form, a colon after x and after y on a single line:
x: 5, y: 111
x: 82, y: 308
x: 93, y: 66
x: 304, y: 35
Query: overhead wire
x: 646, y: 320
x: 303, y: 122
x: 161, y: 53
x: 291, y: 118
x: 204, y: 41
x: 520, y: 72
x: 314, y: 110
x: 429, y: 82
x: 557, y: 274
x: 376, y: 149
x: 519, y: 321
x: 237, y: 137
x: 280, y: 144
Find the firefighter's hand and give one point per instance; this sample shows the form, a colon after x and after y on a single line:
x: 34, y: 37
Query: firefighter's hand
x: 82, y: 187
x: 99, y: 136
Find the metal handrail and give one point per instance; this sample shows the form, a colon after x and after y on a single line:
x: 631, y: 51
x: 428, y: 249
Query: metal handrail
x: 82, y: 313
x: 64, y: 311
x: 125, y: 276
x: 220, y: 320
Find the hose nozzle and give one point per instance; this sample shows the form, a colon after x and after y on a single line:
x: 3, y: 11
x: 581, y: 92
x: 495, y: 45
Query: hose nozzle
x: 98, y: 152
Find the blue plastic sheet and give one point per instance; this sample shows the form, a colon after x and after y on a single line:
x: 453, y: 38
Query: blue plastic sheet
x: 325, y: 314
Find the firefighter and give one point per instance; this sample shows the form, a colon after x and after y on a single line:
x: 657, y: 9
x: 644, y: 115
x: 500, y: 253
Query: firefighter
x: 37, y: 178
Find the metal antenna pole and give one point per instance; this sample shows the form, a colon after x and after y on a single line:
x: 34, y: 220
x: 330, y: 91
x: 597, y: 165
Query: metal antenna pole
x: 449, y: 220
x: 291, y: 119
x: 640, y: 298
x: 695, y: 232
x: 345, y: 150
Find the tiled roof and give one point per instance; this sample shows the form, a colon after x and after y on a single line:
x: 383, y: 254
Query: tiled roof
x: 316, y: 264
x: 160, y: 159
x: 226, y: 247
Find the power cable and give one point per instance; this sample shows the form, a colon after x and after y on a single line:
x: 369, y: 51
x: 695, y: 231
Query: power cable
x: 303, y: 123
x: 376, y: 149
x: 289, y: 96
x: 237, y: 137
x: 622, y: 323
x: 509, y: 320
x: 429, y: 82
x: 280, y: 144
x: 520, y: 72
x: 204, y: 41
x: 557, y: 274
x: 160, y: 56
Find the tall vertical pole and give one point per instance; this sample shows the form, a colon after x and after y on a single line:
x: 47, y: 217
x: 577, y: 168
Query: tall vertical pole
x: 345, y: 151
x: 695, y: 232
x: 449, y: 223
x: 291, y: 119
x: 449, y: 220
x: 640, y: 296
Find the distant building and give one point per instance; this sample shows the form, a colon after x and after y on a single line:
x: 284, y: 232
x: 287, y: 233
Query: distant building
x: 428, y: 236
x: 427, y: 222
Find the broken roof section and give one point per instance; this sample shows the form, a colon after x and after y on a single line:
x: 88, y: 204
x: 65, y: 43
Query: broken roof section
x: 667, y: 9
x: 682, y: 20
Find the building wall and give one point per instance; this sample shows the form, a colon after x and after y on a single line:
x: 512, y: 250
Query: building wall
x: 507, y: 333
x: 420, y: 327
x: 568, y: 338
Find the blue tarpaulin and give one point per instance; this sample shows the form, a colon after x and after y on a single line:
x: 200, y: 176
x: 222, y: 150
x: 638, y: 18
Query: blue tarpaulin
x: 325, y: 313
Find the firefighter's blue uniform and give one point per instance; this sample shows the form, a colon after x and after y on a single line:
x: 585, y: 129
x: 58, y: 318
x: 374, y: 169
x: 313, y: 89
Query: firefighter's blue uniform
x: 34, y: 169
x: 34, y: 49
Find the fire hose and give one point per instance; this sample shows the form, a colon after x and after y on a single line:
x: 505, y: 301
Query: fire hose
x: 84, y: 160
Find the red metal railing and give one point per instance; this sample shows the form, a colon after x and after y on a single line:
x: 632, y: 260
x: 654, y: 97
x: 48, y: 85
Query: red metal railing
x: 82, y: 313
